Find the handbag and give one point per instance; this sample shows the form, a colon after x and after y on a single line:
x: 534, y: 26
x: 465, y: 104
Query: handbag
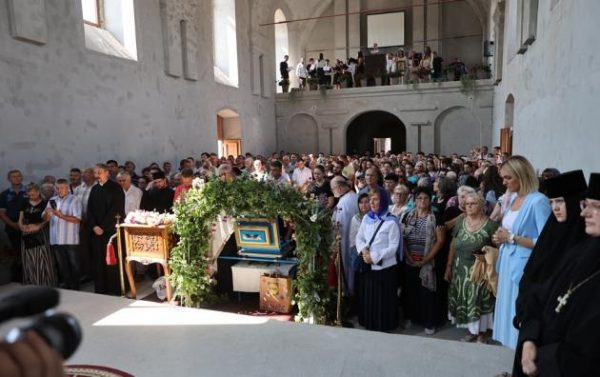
x: 358, y: 263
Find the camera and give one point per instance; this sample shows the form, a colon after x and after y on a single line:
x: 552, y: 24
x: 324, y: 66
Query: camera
x: 60, y: 331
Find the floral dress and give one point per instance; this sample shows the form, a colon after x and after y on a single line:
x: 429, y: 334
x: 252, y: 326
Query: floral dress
x: 468, y: 302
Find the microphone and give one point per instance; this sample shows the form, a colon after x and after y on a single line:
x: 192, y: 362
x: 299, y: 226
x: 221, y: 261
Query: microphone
x: 27, y: 302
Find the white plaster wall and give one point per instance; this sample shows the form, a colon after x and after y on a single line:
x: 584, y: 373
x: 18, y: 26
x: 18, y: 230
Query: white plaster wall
x: 443, y: 22
x: 426, y: 105
x: 555, y: 85
x: 322, y: 38
x: 457, y: 131
x: 459, y: 19
x: 62, y: 105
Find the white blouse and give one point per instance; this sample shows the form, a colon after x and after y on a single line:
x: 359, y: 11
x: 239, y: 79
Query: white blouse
x: 384, y: 246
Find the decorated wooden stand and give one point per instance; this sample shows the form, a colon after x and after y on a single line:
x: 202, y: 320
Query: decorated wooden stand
x: 263, y: 256
x: 147, y: 245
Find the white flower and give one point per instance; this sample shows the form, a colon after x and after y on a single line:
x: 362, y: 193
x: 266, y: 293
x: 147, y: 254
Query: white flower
x: 313, y: 218
x: 197, y: 183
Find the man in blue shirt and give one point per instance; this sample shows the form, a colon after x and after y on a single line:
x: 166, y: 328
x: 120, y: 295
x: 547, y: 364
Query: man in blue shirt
x: 10, y: 205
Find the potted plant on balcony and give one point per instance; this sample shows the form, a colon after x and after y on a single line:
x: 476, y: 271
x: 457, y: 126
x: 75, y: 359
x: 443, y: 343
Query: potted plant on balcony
x: 480, y: 71
x: 295, y: 93
x: 285, y: 85
x: 468, y: 84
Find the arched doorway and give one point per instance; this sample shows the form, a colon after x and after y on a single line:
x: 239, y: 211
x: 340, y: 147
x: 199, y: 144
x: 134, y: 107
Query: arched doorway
x: 229, y: 133
x: 375, y: 131
x: 281, y: 42
x: 506, y: 133
x: 457, y: 130
x: 302, y: 134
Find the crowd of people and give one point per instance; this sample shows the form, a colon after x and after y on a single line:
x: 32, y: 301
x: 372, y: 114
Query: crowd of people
x: 400, y: 66
x: 478, y: 240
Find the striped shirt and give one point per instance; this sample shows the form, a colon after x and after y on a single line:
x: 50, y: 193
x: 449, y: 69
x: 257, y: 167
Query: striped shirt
x: 63, y: 232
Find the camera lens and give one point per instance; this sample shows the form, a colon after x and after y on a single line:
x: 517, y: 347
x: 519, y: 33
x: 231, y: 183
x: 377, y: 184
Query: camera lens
x: 60, y: 330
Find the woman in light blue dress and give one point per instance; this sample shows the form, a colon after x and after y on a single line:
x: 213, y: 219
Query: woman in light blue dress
x: 522, y: 223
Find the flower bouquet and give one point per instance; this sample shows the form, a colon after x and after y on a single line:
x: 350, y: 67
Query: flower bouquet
x: 149, y: 218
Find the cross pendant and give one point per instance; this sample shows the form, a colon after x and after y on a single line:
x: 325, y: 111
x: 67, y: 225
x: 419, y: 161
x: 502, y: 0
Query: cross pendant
x: 562, y: 301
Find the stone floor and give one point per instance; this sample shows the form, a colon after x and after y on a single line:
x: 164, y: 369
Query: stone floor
x: 149, y: 339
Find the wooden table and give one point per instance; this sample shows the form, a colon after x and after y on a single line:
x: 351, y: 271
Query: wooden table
x: 147, y: 245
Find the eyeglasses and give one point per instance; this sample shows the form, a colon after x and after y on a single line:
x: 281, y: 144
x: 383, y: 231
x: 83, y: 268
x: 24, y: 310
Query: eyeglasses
x: 593, y: 207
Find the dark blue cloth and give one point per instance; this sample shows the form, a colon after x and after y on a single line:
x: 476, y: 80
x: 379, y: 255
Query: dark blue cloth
x: 12, y: 201
x: 384, y: 204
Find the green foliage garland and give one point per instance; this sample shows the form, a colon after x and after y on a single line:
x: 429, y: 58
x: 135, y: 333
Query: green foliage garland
x: 245, y: 197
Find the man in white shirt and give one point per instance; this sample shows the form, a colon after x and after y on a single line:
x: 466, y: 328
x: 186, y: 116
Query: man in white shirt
x: 75, y: 178
x: 343, y: 213
x: 133, y: 195
x: 83, y: 193
x: 64, y: 213
x: 302, y: 176
x: 301, y: 73
x: 277, y: 175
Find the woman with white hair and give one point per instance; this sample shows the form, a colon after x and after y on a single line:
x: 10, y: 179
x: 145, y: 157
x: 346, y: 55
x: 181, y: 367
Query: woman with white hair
x: 456, y: 206
x: 470, y: 304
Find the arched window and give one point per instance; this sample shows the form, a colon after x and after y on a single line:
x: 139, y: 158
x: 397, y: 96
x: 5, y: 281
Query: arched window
x: 110, y: 27
x: 281, y: 42
x: 225, y: 42
x: 509, y: 111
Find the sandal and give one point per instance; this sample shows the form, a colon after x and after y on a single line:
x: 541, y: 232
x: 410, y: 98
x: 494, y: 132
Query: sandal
x: 469, y: 338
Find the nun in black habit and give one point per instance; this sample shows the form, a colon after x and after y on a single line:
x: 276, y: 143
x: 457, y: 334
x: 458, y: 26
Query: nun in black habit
x: 560, y: 331
x: 558, y: 235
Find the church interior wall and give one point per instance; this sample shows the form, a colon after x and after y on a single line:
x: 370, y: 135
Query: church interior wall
x: 416, y: 108
x: 438, y: 26
x: 322, y: 38
x: 63, y: 105
x: 555, y: 86
x: 459, y: 19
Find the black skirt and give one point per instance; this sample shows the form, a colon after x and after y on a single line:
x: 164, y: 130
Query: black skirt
x: 419, y: 304
x: 378, y: 299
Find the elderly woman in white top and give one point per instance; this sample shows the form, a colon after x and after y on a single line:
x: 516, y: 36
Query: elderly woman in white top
x: 377, y: 242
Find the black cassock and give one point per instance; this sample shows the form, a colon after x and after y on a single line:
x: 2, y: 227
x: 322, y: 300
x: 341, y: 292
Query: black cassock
x: 104, y: 204
x: 159, y: 200
x: 550, y: 255
x: 568, y: 342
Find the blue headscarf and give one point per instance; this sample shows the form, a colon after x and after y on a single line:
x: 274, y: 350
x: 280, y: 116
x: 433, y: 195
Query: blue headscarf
x: 384, y: 204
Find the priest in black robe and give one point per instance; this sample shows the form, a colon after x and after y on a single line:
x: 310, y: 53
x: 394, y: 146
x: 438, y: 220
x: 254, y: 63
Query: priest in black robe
x: 106, y: 201
x: 160, y: 197
x: 560, y: 332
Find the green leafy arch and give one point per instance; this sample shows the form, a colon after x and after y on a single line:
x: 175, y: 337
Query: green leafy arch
x: 245, y: 197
